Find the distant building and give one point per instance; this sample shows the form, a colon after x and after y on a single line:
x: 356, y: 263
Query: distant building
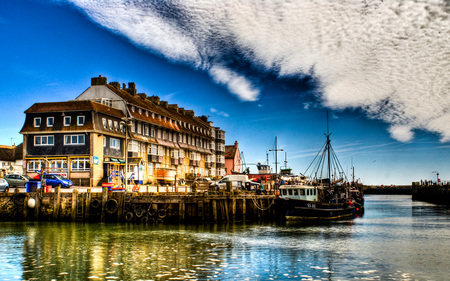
x: 232, y: 159
x: 92, y: 138
x: 11, y: 159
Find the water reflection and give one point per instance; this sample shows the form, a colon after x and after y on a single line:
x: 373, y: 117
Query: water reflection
x: 395, y: 240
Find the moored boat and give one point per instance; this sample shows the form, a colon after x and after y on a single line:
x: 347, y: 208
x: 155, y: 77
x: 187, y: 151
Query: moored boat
x: 328, y: 196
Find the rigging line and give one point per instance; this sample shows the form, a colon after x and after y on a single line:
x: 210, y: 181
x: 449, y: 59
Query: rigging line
x: 314, y: 159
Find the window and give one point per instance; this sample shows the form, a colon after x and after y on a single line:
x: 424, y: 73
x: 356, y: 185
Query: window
x: 116, y: 125
x: 81, y: 164
x: 104, y: 141
x: 37, y: 121
x: 81, y: 120
x: 44, y: 140
x: 74, y: 140
x: 107, y: 102
x: 67, y: 120
x: 50, y: 121
x: 105, y: 124
x: 34, y: 165
x: 139, y: 127
x: 152, y: 132
x: 57, y: 165
x: 146, y: 129
x: 110, y: 124
x: 114, y: 143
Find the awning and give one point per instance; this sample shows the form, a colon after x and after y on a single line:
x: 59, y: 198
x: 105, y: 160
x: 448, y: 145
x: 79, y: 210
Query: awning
x: 134, y: 161
x: 116, y: 161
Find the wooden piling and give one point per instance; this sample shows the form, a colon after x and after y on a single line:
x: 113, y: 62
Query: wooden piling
x: 88, y: 204
x: 56, y: 203
x: 75, y: 205
x: 104, y: 199
x: 214, y: 209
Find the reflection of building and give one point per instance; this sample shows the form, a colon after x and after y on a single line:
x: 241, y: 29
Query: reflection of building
x: 92, y: 137
x: 11, y: 159
x: 232, y: 159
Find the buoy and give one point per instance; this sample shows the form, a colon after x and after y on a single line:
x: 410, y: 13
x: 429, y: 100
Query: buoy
x: 31, y: 203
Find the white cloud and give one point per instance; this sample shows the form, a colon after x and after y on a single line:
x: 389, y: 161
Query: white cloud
x: 389, y: 58
x: 220, y: 113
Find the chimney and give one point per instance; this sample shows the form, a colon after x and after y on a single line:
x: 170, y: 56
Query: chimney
x: 236, y: 145
x: 142, y: 95
x: 165, y: 103
x: 204, y: 118
x: 131, y: 88
x: 95, y: 81
x: 154, y: 99
x: 115, y: 85
x: 181, y: 110
x: 174, y: 106
x: 190, y: 113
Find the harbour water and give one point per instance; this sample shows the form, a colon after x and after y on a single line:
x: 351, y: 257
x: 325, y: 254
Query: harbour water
x: 396, y: 239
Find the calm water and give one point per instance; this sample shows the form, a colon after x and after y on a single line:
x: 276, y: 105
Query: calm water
x: 396, y: 239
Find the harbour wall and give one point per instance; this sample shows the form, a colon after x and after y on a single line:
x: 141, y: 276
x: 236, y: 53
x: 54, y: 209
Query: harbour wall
x: 137, y: 207
x: 437, y: 194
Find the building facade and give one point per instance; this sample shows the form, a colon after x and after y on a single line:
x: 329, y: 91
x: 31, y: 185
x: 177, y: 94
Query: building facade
x: 109, y: 133
x: 232, y: 159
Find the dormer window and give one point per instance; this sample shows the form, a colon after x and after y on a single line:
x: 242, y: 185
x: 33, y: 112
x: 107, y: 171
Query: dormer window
x: 50, y: 121
x: 37, y: 121
x: 132, y: 108
x: 107, y: 101
x: 80, y: 120
x: 146, y: 113
x: 67, y: 120
x: 140, y: 111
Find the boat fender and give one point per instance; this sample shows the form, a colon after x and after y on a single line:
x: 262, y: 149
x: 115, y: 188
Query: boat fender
x: 144, y: 220
x: 159, y: 221
x: 31, y: 203
x: 162, y: 213
x: 129, y: 216
x: 111, y: 206
x: 19, y: 198
x: 151, y: 212
x: 95, y: 203
x: 140, y: 212
x: 136, y: 208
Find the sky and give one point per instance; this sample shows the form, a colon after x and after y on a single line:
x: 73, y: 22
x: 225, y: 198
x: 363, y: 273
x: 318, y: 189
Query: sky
x: 259, y: 69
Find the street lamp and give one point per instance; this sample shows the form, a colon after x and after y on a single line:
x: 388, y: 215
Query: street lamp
x: 437, y: 176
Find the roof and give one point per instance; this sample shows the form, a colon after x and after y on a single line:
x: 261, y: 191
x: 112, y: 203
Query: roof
x: 230, y: 151
x: 11, y: 153
x: 74, y: 105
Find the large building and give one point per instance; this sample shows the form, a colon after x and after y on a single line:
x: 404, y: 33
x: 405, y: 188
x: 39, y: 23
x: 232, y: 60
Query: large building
x: 111, y: 132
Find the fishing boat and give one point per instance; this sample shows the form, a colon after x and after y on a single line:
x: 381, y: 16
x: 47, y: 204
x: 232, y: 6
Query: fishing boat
x: 326, y: 194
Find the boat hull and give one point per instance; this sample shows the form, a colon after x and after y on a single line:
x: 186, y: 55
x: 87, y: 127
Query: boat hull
x: 310, y: 210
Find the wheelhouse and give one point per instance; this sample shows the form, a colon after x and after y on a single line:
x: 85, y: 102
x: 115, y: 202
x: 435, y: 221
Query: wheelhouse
x: 299, y: 192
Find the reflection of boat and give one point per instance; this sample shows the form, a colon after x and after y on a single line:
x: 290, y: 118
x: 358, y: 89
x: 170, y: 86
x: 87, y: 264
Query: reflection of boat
x: 327, y: 196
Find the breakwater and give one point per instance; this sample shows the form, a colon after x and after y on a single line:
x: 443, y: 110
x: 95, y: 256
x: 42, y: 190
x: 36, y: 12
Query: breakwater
x: 393, y: 190
x: 193, y: 207
x: 437, y: 194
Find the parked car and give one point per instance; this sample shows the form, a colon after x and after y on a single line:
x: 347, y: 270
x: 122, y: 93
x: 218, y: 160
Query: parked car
x: 17, y: 180
x: 203, y: 181
x: 56, y: 180
x: 4, y: 185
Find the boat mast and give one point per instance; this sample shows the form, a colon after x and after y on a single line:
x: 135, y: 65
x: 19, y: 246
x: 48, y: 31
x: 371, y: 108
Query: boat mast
x: 328, y: 152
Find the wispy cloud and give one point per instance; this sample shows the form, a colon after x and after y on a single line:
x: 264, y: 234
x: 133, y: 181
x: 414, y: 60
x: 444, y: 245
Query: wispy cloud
x: 220, y: 113
x: 389, y: 58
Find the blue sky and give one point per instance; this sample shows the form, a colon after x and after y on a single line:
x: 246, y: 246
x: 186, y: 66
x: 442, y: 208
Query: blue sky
x: 259, y: 71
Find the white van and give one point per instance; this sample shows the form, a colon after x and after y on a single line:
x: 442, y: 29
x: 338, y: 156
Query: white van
x: 238, y: 181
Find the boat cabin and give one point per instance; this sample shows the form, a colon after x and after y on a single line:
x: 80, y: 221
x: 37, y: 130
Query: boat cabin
x: 299, y: 192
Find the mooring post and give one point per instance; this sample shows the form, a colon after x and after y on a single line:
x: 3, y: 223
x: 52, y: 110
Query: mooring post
x: 181, y: 210
x: 56, y: 203
x: 104, y: 199
x: 233, y: 208
x: 214, y: 209
x: 121, y: 207
x: 74, y: 204
x: 37, y: 207
x: 88, y: 204
x: 244, y: 209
